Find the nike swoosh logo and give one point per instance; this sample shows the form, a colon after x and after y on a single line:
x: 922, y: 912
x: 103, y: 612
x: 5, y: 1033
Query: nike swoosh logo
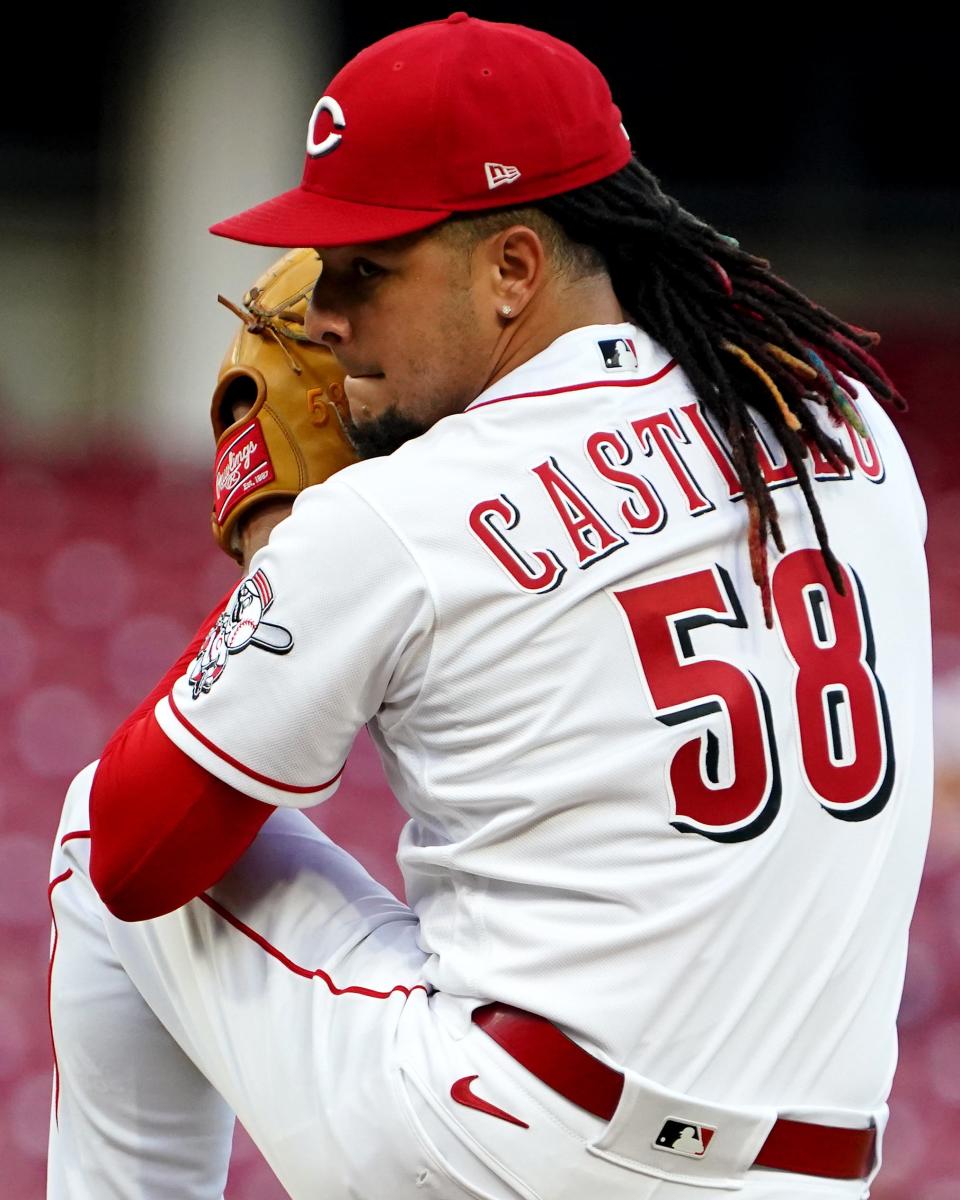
x: 463, y: 1095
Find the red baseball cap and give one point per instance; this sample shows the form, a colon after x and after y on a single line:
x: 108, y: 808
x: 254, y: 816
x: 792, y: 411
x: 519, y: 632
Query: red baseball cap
x: 459, y: 115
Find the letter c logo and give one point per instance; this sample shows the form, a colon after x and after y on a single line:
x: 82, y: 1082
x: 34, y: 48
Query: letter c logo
x: 332, y: 140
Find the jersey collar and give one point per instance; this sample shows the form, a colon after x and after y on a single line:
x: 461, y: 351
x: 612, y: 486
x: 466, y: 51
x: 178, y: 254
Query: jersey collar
x: 591, y: 356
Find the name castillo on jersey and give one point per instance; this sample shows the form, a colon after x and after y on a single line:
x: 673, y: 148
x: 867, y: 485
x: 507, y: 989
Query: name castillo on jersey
x: 610, y: 451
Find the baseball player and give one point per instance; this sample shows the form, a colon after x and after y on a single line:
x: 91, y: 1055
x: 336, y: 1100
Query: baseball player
x: 630, y: 592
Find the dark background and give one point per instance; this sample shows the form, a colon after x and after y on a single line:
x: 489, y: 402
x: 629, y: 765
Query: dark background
x: 726, y: 102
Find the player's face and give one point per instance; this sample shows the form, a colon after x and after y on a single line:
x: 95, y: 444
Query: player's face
x: 406, y: 320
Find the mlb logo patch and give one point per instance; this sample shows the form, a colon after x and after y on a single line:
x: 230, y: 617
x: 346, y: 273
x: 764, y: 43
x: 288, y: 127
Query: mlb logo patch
x: 684, y: 1137
x: 619, y: 354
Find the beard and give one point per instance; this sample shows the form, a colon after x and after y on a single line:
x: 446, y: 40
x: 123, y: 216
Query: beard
x: 384, y: 434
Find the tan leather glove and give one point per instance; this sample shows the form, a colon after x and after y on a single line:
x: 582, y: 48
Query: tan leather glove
x: 290, y: 394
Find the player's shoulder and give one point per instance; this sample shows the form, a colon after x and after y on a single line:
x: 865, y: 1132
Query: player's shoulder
x: 337, y: 537
x: 394, y: 495
x: 599, y: 359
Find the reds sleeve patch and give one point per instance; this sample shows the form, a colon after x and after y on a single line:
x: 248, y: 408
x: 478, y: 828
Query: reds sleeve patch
x: 241, y: 624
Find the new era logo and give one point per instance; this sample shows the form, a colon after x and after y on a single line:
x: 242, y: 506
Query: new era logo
x: 684, y: 1137
x: 498, y: 174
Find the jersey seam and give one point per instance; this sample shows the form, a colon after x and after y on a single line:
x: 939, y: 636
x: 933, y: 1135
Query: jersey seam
x: 581, y: 386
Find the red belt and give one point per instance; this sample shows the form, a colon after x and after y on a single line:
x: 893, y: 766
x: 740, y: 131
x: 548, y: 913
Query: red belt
x: 561, y: 1064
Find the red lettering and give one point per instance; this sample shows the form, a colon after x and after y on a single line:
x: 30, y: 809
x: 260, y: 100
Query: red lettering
x: 661, y: 432
x: 483, y: 521
x: 591, y: 536
x: 774, y: 474
x: 823, y: 469
x: 714, y: 447
x: 609, y: 452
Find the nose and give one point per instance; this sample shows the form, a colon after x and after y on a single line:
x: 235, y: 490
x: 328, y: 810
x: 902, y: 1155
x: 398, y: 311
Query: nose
x: 324, y: 321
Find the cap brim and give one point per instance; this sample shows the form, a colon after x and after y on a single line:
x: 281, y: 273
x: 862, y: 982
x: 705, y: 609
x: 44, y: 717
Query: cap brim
x: 304, y: 218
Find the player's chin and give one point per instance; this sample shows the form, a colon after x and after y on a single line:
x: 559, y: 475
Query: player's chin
x: 375, y: 436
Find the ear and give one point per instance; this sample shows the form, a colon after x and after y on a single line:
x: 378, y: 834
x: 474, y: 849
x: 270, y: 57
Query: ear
x: 517, y: 263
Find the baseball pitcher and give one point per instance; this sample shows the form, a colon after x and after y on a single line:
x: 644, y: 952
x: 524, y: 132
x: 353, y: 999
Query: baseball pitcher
x: 629, y: 589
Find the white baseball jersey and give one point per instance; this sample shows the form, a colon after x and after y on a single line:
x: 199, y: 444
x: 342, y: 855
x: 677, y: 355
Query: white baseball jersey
x: 692, y: 841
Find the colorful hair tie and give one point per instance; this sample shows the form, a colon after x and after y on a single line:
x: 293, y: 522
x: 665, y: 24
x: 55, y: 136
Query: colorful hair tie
x: 837, y: 393
x: 786, y: 412
x: 791, y: 360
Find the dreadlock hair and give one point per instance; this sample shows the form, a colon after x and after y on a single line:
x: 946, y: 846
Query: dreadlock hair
x: 744, y: 337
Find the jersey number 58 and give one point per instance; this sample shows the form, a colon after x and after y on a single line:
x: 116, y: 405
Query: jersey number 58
x: 842, y: 721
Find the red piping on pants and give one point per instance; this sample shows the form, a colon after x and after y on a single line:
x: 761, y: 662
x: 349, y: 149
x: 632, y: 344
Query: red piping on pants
x: 304, y: 972
x: 53, y: 950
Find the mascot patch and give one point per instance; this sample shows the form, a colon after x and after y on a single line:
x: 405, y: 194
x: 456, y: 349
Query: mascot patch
x: 240, y: 625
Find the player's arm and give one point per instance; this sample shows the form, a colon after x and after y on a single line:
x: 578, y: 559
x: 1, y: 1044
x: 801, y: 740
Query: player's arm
x: 163, y: 829
x: 333, y: 631
x: 186, y: 828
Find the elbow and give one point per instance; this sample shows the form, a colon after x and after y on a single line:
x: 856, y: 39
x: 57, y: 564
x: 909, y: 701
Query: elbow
x: 162, y: 829
x: 106, y: 883
x: 125, y: 910
x: 128, y: 894
x: 127, y: 860
x: 128, y: 905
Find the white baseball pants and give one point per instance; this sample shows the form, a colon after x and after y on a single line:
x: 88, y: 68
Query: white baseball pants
x: 291, y: 995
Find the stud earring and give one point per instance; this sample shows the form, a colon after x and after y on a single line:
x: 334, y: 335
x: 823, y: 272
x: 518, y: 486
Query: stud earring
x: 506, y: 310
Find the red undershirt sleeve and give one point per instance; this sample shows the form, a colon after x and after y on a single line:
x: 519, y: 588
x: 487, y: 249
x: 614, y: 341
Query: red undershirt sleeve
x: 162, y: 828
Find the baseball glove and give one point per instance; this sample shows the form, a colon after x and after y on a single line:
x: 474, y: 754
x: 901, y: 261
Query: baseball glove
x: 278, y: 409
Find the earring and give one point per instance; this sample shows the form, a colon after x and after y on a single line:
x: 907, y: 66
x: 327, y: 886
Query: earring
x: 506, y: 310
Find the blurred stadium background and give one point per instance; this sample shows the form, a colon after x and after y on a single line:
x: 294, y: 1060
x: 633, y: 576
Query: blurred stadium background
x: 137, y: 125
